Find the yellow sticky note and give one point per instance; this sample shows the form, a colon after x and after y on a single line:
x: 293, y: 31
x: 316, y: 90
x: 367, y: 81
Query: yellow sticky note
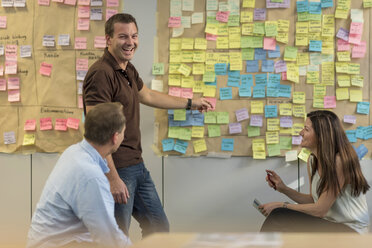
x: 187, y: 82
x: 199, y: 145
x: 222, y: 42
x: 312, y: 77
x: 285, y: 109
x: 175, y: 44
x: 259, y: 155
x: 175, y: 56
x: 354, y: 68
x: 297, y: 128
x: 328, y: 73
x: 293, y: 73
x: 200, y: 43
x: 223, y: 29
x: 299, y: 110
x: 222, y: 58
x: 246, y: 16
x: 174, y: 80
x: 282, y: 37
x: 303, y: 59
x: 302, y: 27
x: 198, y: 56
x: 357, y: 80
x: 179, y: 115
x: 210, y: 58
x: 198, y: 68
x: 187, y: 56
x: 343, y: 56
x: 318, y: 102
x: 283, y: 26
x: 272, y: 137
x: 236, y: 61
x: 299, y: 97
x: 342, y: 94
x: 187, y: 44
x: 273, y: 124
x: 257, y: 107
x: 235, y: 41
x: 258, y: 145
x: 198, y: 86
x: 249, y: 3
x: 302, y: 40
x: 211, y: 28
x: 247, y: 29
x: 319, y: 90
x: 342, y: 67
x: 341, y: 13
x: 184, y: 70
x: 284, y: 130
x: 173, y: 68
x: 304, y: 154
x: 356, y: 95
x: 197, y: 132
x: 315, y: 26
x: 28, y: 139
x: 185, y: 133
x: 328, y: 31
x: 209, y: 91
x: 343, y: 80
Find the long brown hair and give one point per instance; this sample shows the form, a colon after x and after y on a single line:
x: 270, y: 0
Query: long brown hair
x: 332, y: 141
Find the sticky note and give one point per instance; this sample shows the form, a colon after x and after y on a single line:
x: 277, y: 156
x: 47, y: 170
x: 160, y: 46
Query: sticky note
x: 356, y: 95
x: 45, y: 69
x: 271, y: 111
x: 272, y: 124
x: 290, y: 53
x: 225, y: 93
x: 363, y: 108
x: 61, y: 124
x: 181, y: 146
x: 227, y: 144
x: 235, y: 128
x: 342, y: 94
x: 28, y: 139
x: 223, y: 118
x: 272, y: 137
x: 46, y: 124
x: 315, y: 45
x: 73, y: 123
x: 296, y: 140
x: 167, y: 144
x: 241, y: 114
x: 199, y: 145
x: 214, y: 131
x: 257, y: 107
x: 350, y: 119
x: 158, y: 69
x: 9, y: 138
x: 197, y: 131
x: 253, y: 131
x: 259, y: 91
x: 256, y: 121
x: 286, y: 121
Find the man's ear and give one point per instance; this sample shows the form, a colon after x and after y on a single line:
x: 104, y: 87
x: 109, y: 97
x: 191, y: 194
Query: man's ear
x: 115, y: 138
x: 108, y: 39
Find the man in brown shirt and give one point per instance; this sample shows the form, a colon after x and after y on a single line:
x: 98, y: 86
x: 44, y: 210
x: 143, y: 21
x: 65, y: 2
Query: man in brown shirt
x: 114, y: 79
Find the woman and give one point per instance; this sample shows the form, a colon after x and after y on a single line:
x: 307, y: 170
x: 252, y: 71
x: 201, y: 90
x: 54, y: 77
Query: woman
x: 337, y: 201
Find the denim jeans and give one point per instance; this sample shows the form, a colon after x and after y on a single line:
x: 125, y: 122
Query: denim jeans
x: 143, y: 202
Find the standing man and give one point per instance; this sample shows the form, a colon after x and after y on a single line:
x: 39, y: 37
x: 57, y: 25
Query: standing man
x: 76, y: 207
x: 113, y: 78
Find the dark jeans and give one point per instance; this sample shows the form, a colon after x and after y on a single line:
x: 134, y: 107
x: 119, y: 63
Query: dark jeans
x: 287, y: 220
x: 143, y: 202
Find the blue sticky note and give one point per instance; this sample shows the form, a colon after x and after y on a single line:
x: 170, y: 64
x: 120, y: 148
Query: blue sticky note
x: 302, y: 6
x: 172, y: 122
x: 361, y: 151
x: 274, y: 53
x: 315, y: 45
x: 245, y: 91
x: 267, y: 66
x: 260, y: 79
x: 181, y: 146
x: 315, y: 8
x: 326, y: 3
x: 363, y: 108
x: 233, y: 79
x: 197, y: 119
x: 167, y: 144
x: 271, y: 111
x: 368, y: 132
x: 252, y: 65
x: 227, y: 145
x: 225, y: 93
x: 220, y: 68
x: 187, y: 122
x: 246, y: 80
x: 360, y: 132
x: 273, y: 80
x: 259, y: 91
x: 259, y: 53
x: 351, y: 135
x: 272, y: 91
x: 285, y: 90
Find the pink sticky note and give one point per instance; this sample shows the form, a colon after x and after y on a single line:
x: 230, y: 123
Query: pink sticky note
x: 269, y: 43
x: 45, y: 69
x: 187, y: 93
x: 356, y: 28
x: 84, y: 2
x: 10, y: 67
x: 284, y: 75
x: 343, y: 45
x: 1, y: 70
x: 13, y: 83
x: 355, y: 38
x: 112, y: 3
x: 174, y: 22
x: 99, y: 42
x: 329, y: 101
x: 11, y: 50
x: 110, y: 12
x: 82, y: 64
x: 2, y: 21
x: 58, y: 1
x: 212, y: 101
x: 46, y: 124
x: 256, y: 121
x: 2, y: 84
x: 223, y: 16
x: 83, y: 12
x: 43, y: 2
x: 359, y: 51
x: 235, y: 128
x: 70, y: 2
x: 296, y: 140
x: 80, y: 43
x: 80, y: 101
x: 174, y: 91
x: 82, y: 24
x: 73, y: 123
x: 241, y: 114
x: 210, y: 37
x: 30, y: 125
x: 14, y: 96
x: 61, y: 124
x: 350, y: 119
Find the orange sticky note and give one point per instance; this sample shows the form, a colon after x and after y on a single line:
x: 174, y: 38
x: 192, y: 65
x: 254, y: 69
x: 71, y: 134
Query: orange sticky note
x: 46, y: 124
x: 80, y: 43
x: 30, y: 125
x: 73, y: 123
x: 45, y: 69
x: 61, y: 124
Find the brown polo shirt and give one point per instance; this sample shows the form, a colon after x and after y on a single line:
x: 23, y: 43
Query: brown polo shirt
x: 107, y: 82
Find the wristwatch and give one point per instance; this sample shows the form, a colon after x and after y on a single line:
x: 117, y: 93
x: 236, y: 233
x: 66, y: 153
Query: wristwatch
x: 189, y: 103
x: 285, y: 204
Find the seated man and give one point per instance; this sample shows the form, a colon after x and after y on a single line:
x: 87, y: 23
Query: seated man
x: 76, y: 208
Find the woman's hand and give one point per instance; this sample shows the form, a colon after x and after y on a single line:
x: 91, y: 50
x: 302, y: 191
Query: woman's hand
x: 274, y: 181
x: 268, y: 207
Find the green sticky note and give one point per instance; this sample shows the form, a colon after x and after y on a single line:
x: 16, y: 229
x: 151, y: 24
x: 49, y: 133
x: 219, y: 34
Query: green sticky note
x: 158, y: 69
x: 179, y: 114
x: 234, y: 21
x: 174, y: 132
x: 185, y: 133
x: 210, y: 118
x: 276, y: 1
x: 223, y: 118
x: 255, y: 41
x: 285, y: 143
x: 315, y: 17
x: 247, y: 53
x: 209, y: 76
x: 302, y: 16
x: 214, y: 131
x: 290, y: 53
x: 253, y: 131
x: 273, y: 149
x: 259, y: 28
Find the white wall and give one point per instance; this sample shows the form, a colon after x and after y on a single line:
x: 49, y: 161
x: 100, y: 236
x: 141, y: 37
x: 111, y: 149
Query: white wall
x: 200, y: 194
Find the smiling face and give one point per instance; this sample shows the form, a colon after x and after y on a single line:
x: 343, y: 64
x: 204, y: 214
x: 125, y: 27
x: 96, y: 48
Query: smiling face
x: 123, y: 42
x: 308, y: 136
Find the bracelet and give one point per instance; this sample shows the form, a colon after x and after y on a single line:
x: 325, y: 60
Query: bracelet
x: 285, y: 204
x: 189, y: 103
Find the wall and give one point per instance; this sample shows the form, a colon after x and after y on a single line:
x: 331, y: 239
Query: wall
x: 200, y: 194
